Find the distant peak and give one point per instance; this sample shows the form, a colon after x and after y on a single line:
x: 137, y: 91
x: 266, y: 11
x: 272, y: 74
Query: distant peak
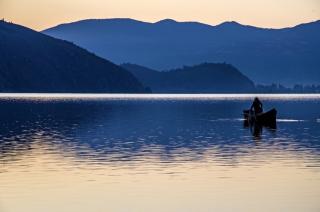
x: 230, y: 23
x: 166, y: 21
x: 313, y: 23
x: 119, y: 20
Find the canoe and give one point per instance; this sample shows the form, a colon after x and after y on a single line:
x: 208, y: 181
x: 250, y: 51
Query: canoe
x: 265, y: 119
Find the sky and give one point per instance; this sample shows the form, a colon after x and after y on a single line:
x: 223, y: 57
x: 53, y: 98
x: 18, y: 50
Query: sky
x: 42, y: 14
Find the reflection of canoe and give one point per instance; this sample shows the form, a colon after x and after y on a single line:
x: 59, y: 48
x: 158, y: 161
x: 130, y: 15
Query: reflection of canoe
x: 266, y: 119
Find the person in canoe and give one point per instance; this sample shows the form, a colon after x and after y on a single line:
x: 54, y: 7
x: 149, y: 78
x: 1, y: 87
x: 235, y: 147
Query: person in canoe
x: 257, y: 106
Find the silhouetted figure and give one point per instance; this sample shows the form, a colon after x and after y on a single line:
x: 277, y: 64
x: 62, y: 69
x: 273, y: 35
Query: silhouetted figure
x: 257, y: 106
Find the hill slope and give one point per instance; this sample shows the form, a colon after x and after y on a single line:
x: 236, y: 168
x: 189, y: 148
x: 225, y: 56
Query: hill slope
x: 203, y: 78
x: 33, y: 62
x: 287, y: 56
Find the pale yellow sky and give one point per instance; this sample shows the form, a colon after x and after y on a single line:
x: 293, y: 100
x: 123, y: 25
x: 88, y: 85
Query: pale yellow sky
x: 41, y: 14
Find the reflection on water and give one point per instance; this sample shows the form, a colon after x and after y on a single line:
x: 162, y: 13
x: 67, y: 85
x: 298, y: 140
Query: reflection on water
x: 174, y: 154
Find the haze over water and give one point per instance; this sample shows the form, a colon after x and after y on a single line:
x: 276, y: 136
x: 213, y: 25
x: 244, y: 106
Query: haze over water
x: 157, y: 153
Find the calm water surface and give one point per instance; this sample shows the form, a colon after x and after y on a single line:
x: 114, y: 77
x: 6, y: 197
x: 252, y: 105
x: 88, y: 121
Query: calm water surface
x: 157, y: 153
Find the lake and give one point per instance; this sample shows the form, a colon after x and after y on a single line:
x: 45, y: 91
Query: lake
x: 67, y: 152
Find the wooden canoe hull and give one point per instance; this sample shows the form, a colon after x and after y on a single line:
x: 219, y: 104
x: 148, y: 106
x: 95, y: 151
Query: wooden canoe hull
x: 264, y: 119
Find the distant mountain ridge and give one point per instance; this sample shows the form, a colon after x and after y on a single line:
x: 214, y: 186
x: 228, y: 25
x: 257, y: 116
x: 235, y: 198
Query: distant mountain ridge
x: 288, y: 55
x: 202, y: 78
x: 33, y: 62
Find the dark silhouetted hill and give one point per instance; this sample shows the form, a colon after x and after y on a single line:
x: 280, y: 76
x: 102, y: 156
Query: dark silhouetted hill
x: 288, y: 55
x: 203, y: 78
x: 33, y: 62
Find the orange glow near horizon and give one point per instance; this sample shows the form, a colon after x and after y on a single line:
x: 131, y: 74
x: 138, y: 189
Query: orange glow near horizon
x: 42, y: 14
